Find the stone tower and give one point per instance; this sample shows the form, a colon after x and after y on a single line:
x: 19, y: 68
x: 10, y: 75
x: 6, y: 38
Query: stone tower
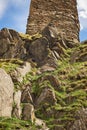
x: 61, y: 14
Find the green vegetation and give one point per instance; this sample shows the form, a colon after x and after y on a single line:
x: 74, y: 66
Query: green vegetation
x: 30, y: 37
x: 16, y: 124
x: 10, y: 64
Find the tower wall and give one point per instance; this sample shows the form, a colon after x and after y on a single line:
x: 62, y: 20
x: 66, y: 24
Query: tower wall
x: 61, y: 14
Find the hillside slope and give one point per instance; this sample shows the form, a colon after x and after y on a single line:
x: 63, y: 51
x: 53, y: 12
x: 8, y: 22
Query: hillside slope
x: 49, y: 76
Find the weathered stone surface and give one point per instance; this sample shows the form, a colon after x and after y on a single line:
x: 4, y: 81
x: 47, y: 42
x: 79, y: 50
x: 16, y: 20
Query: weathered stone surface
x: 17, y: 104
x: 55, y: 41
x: 11, y: 45
x: 38, y: 50
x: 39, y: 122
x: 19, y: 73
x: 80, y: 53
x: 61, y: 15
x: 47, y: 95
x: 6, y: 94
x: 46, y: 68
x: 26, y: 95
x: 28, y: 112
x: 53, y: 81
x: 46, y: 50
x: 81, y: 120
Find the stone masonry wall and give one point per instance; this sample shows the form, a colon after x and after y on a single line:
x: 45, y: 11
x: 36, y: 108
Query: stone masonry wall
x: 61, y: 14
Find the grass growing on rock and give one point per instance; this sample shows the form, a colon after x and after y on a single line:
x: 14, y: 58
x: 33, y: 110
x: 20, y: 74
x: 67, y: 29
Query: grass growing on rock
x: 10, y: 65
x: 69, y: 84
x: 71, y: 94
x: 30, y: 37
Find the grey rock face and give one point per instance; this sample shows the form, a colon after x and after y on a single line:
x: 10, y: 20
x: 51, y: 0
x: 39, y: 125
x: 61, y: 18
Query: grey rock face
x: 38, y: 50
x: 11, y: 45
x: 17, y: 104
x: 47, y: 95
x: 81, y: 120
x: 28, y: 112
x: 6, y: 94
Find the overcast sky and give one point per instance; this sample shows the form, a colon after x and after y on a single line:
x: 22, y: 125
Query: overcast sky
x: 14, y: 13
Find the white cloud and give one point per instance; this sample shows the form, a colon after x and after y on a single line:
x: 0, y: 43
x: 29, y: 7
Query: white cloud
x: 3, y: 7
x: 82, y: 8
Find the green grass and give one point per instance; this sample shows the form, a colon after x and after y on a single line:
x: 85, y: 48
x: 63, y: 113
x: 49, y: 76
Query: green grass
x: 16, y: 124
x: 13, y: 124
x: 10, y: 65
x: 30, y: 37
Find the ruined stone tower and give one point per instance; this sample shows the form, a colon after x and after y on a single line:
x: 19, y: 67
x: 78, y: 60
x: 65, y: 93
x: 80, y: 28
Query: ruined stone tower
x: 61, y: 14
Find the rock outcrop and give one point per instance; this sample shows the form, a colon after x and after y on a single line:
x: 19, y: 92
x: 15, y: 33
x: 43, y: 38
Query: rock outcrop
x: 47, y: 49
x: 43, y: 77
x: 53, y: 93
x: 11, y: 45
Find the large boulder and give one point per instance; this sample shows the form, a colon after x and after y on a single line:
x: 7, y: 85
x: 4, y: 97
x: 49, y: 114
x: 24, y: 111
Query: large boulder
x: 6, y: 94
x: 11, y: 45
x: 38, y: 50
